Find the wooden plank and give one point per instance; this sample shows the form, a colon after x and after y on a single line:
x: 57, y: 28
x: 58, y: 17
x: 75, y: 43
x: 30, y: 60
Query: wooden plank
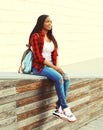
x: 85, y: 83
x: 12, y: 126
x: 96, y: 84
x: 79, y: 101
x: 35, y: 105
x: 26, y: 94
x: 35, y: 112
x: 8, y: 106
x: 79, y: 106
x: 35, y: 98
x: 76, y: 96
x: 7, y: 92
x: 7, y: 114
x: 8, y: 121
x: 37, y: 124
x: 34, y: 118
x: 33, y: 86
x: 31, y: 106
x: 94, y: 94
x: 5, y: 84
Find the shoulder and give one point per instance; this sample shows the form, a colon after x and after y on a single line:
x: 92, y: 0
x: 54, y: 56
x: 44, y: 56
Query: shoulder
x: 35, y: 36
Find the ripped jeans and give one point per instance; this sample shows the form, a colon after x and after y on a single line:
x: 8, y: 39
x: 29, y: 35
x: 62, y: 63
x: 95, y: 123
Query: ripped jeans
x: 61, y: 84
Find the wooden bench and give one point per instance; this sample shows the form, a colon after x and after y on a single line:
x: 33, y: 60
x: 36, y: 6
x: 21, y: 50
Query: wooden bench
x: 27, y: 102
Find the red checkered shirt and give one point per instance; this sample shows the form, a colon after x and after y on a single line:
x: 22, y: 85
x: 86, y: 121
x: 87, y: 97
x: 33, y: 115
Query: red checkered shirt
x: 37, y: 44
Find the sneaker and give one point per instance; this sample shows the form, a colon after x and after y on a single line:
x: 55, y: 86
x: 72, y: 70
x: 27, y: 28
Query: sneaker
x: 69, y: 115
x: 58, y: 112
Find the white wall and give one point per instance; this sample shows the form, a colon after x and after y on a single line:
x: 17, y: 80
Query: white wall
x: 77, y: 26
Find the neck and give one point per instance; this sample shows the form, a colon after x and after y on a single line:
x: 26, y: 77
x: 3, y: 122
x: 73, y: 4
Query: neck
x: 45, y: 31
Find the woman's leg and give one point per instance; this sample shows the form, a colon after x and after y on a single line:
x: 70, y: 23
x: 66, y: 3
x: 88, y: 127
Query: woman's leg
x: 66, y: 83
x: 59, y: 83
x: 55, y: 76
x: 66, y: 87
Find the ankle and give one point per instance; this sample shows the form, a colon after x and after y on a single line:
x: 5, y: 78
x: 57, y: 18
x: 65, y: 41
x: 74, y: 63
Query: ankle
x: 67, y: 111
x: 67, y: 108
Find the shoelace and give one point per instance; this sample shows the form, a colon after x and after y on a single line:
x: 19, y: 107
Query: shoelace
x: 70, y: 115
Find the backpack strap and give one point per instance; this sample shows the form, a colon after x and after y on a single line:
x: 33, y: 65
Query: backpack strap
x: 29, y: 45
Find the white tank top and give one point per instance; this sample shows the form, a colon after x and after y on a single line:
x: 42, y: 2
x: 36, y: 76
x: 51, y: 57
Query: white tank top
x: 47, y: 50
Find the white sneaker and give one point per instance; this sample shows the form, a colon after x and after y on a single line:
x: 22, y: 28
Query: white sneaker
x: 58, y: 112
x: 69, y: 115
x: 65, y: 114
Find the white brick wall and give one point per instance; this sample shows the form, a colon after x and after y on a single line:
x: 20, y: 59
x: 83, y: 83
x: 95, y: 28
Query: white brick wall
x: 77, y: 26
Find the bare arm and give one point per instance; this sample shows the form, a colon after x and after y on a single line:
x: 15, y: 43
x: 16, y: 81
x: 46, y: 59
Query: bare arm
x: 53, y: 66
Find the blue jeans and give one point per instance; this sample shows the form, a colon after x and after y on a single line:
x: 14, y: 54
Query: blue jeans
x: 61, y: 84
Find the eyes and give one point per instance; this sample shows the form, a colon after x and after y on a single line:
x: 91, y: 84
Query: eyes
x: 48, y: 20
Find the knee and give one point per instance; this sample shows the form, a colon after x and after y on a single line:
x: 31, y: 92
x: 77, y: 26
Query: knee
x: 60, y: 79
x: 66, y: 77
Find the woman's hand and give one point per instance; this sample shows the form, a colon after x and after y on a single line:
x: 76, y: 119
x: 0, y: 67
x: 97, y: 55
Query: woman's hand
x: 59, y: 70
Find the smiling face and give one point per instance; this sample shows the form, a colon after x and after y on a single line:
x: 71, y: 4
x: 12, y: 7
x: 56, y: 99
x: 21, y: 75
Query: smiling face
x: 47, y: 24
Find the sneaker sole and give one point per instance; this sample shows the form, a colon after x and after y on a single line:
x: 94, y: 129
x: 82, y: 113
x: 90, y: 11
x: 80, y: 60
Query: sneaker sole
x: 55, y: 115
x: 67, y: 119
x: 63, y: 118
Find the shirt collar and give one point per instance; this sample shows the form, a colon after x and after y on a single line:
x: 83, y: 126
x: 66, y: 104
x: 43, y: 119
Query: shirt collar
x: 42, y: 33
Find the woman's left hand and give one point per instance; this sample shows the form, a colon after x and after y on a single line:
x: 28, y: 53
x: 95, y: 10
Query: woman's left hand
x: 59, y: 70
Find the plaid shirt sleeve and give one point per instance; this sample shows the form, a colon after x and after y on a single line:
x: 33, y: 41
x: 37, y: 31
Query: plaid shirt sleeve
x: 37, y: 53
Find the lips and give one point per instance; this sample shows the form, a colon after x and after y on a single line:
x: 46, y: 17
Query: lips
x: 49, y: 27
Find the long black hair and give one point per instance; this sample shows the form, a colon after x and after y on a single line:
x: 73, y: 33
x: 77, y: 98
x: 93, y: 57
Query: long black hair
x: 39, y: 26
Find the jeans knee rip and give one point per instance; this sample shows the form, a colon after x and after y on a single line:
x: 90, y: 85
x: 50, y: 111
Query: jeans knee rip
x: 66, y: 77
x: 61, y: 81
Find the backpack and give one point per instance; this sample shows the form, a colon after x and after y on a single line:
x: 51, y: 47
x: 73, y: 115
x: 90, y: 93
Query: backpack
x: 26, y: 60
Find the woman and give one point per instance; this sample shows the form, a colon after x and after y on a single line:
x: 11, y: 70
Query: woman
x: 44, y: 48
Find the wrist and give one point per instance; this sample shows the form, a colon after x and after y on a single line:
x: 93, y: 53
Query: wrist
x: 55, y: 67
